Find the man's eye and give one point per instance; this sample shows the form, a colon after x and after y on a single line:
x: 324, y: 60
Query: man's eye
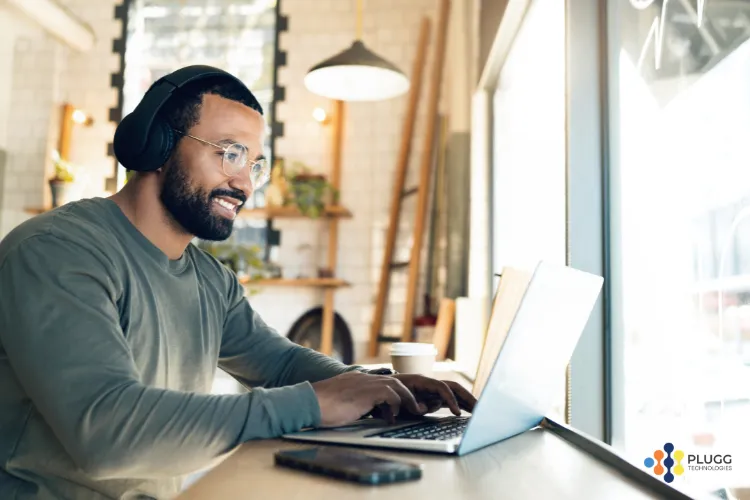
x: 231, y: 156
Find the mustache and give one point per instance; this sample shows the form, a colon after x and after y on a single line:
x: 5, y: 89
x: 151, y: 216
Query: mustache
x: 230, y: 193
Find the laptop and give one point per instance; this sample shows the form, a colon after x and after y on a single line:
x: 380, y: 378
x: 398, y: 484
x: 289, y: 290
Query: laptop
x: 521, y: 386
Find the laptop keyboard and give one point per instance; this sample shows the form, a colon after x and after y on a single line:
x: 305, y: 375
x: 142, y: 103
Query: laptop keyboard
x: 435, y: 430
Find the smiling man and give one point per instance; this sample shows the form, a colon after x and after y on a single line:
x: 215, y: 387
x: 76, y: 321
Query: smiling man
x: 112, y: 324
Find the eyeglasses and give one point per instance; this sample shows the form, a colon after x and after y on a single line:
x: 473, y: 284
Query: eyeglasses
x: 235, y: 158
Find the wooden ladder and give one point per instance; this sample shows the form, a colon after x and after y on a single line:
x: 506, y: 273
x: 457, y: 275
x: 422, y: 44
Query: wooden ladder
x: 421, y: 190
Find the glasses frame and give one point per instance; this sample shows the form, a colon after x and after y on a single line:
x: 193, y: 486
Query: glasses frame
x: 249, y: 162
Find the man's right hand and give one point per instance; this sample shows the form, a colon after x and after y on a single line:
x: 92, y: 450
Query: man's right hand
x: 349, y: 396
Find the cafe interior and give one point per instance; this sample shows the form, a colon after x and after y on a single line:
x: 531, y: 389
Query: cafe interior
x: 424, y: 157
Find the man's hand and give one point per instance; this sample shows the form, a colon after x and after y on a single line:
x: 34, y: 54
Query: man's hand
x: 349, y: 396
x: 436, y: 394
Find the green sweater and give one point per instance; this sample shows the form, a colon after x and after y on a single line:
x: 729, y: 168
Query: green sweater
x: 108, y: 350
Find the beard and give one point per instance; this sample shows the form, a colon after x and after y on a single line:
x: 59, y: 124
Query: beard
x: 190, y: 207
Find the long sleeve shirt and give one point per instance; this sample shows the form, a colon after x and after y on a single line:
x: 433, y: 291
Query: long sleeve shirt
x: 108, y: 350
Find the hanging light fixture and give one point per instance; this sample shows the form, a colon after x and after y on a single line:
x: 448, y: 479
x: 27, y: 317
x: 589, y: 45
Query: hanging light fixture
x: 356, y: 74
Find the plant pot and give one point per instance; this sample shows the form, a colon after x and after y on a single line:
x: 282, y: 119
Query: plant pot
x: 61, y: 192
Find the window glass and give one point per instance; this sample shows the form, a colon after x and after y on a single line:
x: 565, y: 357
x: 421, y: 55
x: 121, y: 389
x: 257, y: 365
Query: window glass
x: 683, y: 188
x: 528, y: 171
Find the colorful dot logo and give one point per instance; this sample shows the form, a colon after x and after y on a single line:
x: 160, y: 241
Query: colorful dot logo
x: 663, y: 462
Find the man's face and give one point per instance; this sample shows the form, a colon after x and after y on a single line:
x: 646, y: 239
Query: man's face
x: 196, y: 191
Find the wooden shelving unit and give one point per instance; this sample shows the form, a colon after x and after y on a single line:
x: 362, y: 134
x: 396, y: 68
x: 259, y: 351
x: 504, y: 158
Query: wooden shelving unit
x: 330, y: 216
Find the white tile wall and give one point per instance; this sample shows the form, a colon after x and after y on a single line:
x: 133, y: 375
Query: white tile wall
x: 86, y: 83
x: 43, y: 75
x: 27, y: 91
x: 317, y: 30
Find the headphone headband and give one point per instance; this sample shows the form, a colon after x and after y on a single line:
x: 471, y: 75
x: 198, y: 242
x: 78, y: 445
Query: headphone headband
x: 143, y: 140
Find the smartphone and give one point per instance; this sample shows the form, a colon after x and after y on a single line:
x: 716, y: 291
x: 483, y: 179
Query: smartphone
x: 348, y: 465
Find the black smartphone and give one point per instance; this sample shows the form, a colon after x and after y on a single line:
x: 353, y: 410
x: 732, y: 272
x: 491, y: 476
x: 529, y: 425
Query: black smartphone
x: 349, y: 465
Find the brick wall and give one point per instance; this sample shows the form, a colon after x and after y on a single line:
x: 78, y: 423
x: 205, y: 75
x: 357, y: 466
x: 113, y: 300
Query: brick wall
x: 43, y: 74
x: 316, y: 31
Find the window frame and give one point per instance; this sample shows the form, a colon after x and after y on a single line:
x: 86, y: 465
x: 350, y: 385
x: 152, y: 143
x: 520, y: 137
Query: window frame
x: 589, y: 214
x: 590, y: 205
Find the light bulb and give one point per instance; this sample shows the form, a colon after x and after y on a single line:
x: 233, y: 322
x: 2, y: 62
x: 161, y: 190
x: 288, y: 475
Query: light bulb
x: 79, y: 116
x: 319, y: 115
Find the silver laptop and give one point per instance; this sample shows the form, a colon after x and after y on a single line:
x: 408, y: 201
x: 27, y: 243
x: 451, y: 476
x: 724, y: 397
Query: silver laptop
x: 522, y: 385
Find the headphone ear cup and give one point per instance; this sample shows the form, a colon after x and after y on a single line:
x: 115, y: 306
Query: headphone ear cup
x: 159, y: 145
x: 161, y: 142
x: 122, y: 143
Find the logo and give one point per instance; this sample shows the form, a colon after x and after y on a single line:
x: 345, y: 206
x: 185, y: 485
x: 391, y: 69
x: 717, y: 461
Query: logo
x: 663, y: 463
x: 667, y: 462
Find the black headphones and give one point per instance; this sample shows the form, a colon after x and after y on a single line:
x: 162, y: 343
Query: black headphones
x: 144, y: 140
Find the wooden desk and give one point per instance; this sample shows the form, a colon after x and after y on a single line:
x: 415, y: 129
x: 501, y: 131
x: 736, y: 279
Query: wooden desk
x: 536, y: 464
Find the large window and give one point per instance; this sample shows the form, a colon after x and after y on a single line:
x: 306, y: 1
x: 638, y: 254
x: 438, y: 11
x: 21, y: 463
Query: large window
x: 528, y: 143
x: 681, y: 178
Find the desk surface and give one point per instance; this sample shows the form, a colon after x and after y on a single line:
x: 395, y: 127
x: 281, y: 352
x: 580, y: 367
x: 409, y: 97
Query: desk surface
x: 536, y: 464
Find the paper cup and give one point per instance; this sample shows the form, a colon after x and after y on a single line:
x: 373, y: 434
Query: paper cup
x: 413, y: 357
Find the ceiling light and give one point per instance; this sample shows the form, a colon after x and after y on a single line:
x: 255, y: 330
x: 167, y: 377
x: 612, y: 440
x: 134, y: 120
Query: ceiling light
x: 356, y: 74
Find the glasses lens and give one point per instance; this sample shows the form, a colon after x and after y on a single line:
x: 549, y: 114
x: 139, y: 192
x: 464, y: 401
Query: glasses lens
x: 260, y: 172
x: 235, y: 157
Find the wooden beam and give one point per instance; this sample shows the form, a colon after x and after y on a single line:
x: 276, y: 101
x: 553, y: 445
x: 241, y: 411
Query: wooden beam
x: 426, y: 169
x: 326, y: 338
x: 58, y: 21
x: 402, y: 163
x: 66, y: 131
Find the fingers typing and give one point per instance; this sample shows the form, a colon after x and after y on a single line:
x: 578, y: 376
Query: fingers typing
x: 465, y: 398
x: 408, y: 400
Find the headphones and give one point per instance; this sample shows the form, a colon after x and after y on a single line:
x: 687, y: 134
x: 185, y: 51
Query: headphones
x: 143, y: 139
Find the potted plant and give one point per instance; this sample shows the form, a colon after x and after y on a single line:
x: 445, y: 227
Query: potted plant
x: 62, y: 182
x: 310, y: 192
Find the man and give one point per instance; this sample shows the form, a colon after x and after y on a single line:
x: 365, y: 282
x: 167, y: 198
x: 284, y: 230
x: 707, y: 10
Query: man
x: 112, y: 325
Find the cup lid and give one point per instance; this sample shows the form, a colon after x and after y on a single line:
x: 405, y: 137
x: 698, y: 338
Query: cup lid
x: 413, y: 349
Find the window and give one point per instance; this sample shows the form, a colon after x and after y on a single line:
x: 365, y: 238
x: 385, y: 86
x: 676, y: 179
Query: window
x: 236, y: 36
x: 528, y: 143
x: 682, y: 182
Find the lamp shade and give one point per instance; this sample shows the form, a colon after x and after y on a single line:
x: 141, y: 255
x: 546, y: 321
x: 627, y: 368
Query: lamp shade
x: 356, y: 74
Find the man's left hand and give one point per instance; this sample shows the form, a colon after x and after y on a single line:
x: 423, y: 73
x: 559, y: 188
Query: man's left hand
x: 436, y: 394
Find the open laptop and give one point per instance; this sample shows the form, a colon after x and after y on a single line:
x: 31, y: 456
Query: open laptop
x: 521, y: 387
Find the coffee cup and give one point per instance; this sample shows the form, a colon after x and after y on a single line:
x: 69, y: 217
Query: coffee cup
x: 413, y: 357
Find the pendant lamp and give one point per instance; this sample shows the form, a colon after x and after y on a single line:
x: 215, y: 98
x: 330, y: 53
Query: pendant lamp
x: 356, y: 74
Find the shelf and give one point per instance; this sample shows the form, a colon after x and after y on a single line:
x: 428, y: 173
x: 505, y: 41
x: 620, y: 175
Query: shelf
x: 36, y: 210
x: 300, y: 282
x: 291, y: 212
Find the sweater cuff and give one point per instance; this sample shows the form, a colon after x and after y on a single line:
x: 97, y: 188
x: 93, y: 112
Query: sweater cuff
x: 292, y: 408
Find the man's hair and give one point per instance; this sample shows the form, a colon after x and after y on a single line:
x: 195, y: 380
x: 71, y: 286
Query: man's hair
x: 183, y: 110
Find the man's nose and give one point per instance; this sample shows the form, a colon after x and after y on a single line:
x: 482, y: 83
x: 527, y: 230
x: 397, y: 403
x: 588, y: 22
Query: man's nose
x: 242, y: 182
